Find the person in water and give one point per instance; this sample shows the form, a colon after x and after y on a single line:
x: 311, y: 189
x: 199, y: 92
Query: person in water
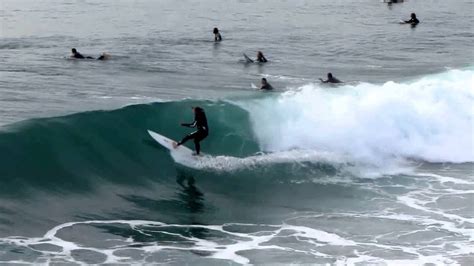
x: 330, y: 79
x: 217, y: 35
x: 200, y: 123
x: 265, y: 85
x: 261, y: 58
x: 413, y: 20
x: 77, y: 55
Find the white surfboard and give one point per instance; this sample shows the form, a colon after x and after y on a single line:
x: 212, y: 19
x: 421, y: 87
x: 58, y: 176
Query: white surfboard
x: 168, y: 143
x: 248, y: 59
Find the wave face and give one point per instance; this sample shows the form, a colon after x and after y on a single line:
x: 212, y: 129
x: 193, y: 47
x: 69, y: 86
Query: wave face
x: 285, y: 174
x: 113, y: 144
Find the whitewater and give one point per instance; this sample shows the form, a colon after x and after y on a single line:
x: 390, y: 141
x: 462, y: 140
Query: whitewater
x: 377, y: 170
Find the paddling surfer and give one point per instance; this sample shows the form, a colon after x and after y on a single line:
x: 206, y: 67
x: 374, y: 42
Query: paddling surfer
x: 331, y: 79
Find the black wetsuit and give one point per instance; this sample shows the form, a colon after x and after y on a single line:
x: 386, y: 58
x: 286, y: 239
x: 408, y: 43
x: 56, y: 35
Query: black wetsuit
x: 200, y: 122
x: 331, y: 80
x: 217, y: 37
x: 267, y: 87
x: 78, y: 56
x: 413, y: 21
x: 262, y: 59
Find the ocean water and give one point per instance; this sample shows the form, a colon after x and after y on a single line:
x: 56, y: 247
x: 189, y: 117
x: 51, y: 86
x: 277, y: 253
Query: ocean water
x: 378, y: 170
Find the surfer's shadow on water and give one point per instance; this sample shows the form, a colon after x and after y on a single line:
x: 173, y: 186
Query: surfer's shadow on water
x: 187, y: 197
x: 189, y: 193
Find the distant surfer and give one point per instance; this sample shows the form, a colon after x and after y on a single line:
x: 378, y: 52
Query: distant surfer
x: 331, y: 79
x: 394, y: 1
x: 413, y: 20
x: 265, y: 85
x: 261, y: 58
x: 200, y: 123
x: 77, y: 55
x: 217, y: 35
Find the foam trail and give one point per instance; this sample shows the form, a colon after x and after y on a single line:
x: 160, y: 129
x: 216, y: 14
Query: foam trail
x: 341, y: 162
x: 230, y: 163
x: 430, y: 119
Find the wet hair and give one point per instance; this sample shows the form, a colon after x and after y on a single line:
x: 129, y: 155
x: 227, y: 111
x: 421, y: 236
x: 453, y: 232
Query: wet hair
x: 215, y: 31
x: 413, y: 15
x: 264, y: 79
x: 329, y: 75
x: 73, y: 50
x: 198, y: 109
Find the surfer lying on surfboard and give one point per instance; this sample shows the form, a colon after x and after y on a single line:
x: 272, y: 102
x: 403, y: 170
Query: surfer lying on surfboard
x: 77, y: 55
x: 200, y: 122
x: 331, y: 79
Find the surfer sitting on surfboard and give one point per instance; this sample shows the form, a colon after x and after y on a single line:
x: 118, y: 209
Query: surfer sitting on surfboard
x: 217, y: 35
x: 261, y: 58
x: 265, y: 85
x: 200, y: 122
x: 413, y: 20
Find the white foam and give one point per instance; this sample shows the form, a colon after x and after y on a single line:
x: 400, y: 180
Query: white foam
x: 311, y: 241
x: 424, y: 199
x: 429, y: 119
x: 243, y: 241
x: 342, y: 163
x: 231, y: 163
x: 421, y: 260
x: 445, y: 179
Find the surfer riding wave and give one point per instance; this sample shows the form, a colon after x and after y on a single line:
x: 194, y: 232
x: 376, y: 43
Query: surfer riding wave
x: 200, y: 122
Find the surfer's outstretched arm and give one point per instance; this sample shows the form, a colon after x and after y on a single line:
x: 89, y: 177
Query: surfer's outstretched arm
x: 193, y: 124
